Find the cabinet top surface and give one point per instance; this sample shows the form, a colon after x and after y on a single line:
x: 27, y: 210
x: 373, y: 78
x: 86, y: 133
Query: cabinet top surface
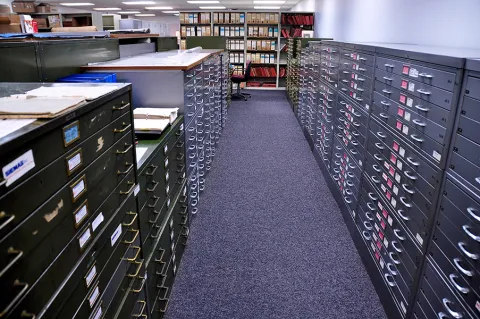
x: 473, y: 65
x: 169, y: 60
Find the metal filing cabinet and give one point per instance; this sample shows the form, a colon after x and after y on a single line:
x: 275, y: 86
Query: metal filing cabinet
x: 80, y: 225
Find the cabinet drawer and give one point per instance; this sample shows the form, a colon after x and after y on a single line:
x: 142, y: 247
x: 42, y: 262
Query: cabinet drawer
x: 356, y: 150
x: 423, y: 91
x: 356, y: 81
x: 363, y: 69
x: 469, y: 128
x: 423, y: 74
x: 361, y: 114
x: 363, y: 98
x: 358, y: 57
x: 467, y: 204
x: 467, y: 170
x: 472, y: 88
x: 350, y: 122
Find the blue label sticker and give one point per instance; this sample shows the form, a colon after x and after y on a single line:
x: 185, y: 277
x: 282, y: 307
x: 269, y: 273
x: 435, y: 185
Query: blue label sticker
x: 71, y: 133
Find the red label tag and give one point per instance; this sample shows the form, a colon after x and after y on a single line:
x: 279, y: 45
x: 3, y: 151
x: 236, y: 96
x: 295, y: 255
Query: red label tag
x: 377, y: 255
x: 352, y: 84
x: 389, y: 183
x: 404, y: 84
x: 401, y: 112
x: 354, y: 56
x: 385, y: 213
x: 389, y: 195
x: 353, y: 76
x: 405, y: 69
x: 384, y: 176
x: 380, y: 234
x: 399, y: 125
x: 391, y: 171
x: 403, y: 99
x: 393, y: 158
x: 354, y: 66
x: 351, y: 93
x: 383, y: 225
x: 395, y: 146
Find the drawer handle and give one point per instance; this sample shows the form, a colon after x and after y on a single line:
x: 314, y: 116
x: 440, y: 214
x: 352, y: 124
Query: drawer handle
x: 122, y: 130
x: 379, y: 146
x: 360, y: 90
x: 453, y: 278
x: 130, y: 146
x: 16, y: 283
x: 337, y: 155
x: 338, y: 148
x: 387, y: 78
x: 8, y: 221
x: 411, y: 161
x: 359, y: 99
x: 133, y: 219
x: 466, y: 229
x: 386, y: 91
x: 403, y: 200
x: 394, y: 245
x: 123, y: 107
x: 470, y: 210
x: 361, y: 80
x: 375, y: 179
x: 408, y: 190
x: 344, y: 89
x: 381, y: 135
x: 371, y: 206
x: 384, y: 116
x: 366, y: 235
x: 395, y: 261
x: 130, y: 166
x: 12, y: 251
x: 411, y: 177
x: 350, y: 183
x: 397, y: 234
x: 385, y: 103
x: 391, y: 269
x: 140, y: 313
x: 421, y: 91
x: 377, y: 157
x: 345, y: 81
x: 369, y: 215
x: 335, y: 177
x: 390, y: 280
x: 372, y: 197
x: 362, y: 69
x: 402, y: 216
x: 354, y: 143
x: 446, y: 303
x: 189, y: 94
x: 136, y: 253
x: 343, y: 103
x: 348, y: 201
x: 464, y: 271
x: 349, y: 192
x: 416, y: 138
x: 139, y: 263
x: 139, y: 290
x: 346, y: 72
x: 355, y: 134
x: 155, y: 184
x: 417, y: 122
x: 389, y: 65
x: 425, y: 75
x: 354, y: 152
x: 368, y: 225
x: 180, y: 157
x: 376, y: 168
x: 420, y: 108
x: 154, y: 170
x: 157, y: 198
x: 129, y: 190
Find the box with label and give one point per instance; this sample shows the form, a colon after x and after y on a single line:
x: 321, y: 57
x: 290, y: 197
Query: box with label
x: 216, y: 30
x: 215, y: 17
x: 242, y: 18
x: 23, y: 7
x: 242, y: 31
x: 220, y: 17
x: 264, y: 45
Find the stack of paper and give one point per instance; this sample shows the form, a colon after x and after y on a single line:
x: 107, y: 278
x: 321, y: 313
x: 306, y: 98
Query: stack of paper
x: 156, y: 113
x: 14, y: 107
x: 150, y: 125
x: 85, y: 92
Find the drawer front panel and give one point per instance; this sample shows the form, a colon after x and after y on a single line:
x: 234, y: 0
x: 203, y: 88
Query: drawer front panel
x: 473, y: 83
x: 363, y: 98
x: 363, y: 69
x: 358, y: 57
x: 467, y: 170
x: 354, y: 109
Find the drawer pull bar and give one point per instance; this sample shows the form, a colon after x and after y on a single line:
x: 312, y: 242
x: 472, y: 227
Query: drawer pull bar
x: 346, y: 72
x: 379, y: 146
x: 141, y: 286
x: 423, y: 92
x: 397, y: 234
x: 411, y: 161
x: 136, y: 253
x: 155, y: 184
x: 462, y: 245
x: 394, y: 245
x: 442, y: 315
x: 354, y: 143
x: 371, y: 207
x: 416, y: 138
x: 369, y: 215
x: 386, y: 91
x: 128, y: 242
x: 160, y: 259
x: 135, y: 215
x: 351, y: 165
x: 470, y: 210
x: 391, y: 269
x: 376, y: 168
x: 384, y: 116
x: 349, y: 192
x: 140, y: 313
x: 353, y: 151
x: 464, y: 271
x: 375, y: 179
x: 26, y: 314
x: 366, y: 235
x: 355, y: 134
x: 359, y: 99
x: 402, y: 216
x: 372, y: 197
x: 408, y: 190
x: 139, y: 263
x: 425, y: 75
x: 395, y: 261
x: 368, y: 225
x: 127, y: 150
x: 446, y: 303
x: 453, y: 278
x: 417, y: 122
x: 12, y: 251
x: 389, y: 65
x: 411, y: 177
x: 362, y: 69
x: 348, y: 201
x: 350, y: 183
x: 404, y: 202
x: 385, y: 103
x: 154, y: 170
x: 387, y: 78
x: 466, y: 229
x: 337, y: 155
x: 16, y: 283
x: 123, y: 107
x: 381, y: 135
x: 8, y: 221
x: 129, y: 190
x: 377, y: 157
x: 122, y: 130
x: 390, y: 280
x: 420, y: 108
x: 130, y: 166
x: 343, y: 103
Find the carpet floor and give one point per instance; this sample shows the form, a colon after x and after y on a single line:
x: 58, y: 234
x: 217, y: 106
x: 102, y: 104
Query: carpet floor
x: 269, y: 240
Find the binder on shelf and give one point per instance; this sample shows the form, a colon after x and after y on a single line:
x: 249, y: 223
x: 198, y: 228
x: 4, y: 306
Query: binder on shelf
x: 262, y: 58
x: 272, y: 58
x: 270, y: 32
x: 254, y: 45
x: 216, y: 30
x: 215, y: 17
x: 195, y: 18
x: 273, y: 46
x: 190, y: 18
x: 222, y: 31
x: 242, y: 45
x: 220, y: 18
x: 241, y: 58
x: 242, y: 31
x: 237, y: 31
x: 275, y: 31
x: 199, y: 31
x: 242, y: 17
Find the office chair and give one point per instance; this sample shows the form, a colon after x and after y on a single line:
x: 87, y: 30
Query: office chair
x: 239, y: 78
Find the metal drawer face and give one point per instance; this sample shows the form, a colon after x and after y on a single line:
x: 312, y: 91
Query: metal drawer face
x: 409, y: 124
x: 424, y: 91
x: 361, y: 97
x: 342, y: 133
x: 429, y: 148
x: 326, y: 48
x: 467, y: 139
x: 403, y: 156
x: 440, y: 297
x: 330, y: 58
x: 358, y: 57
x: 468, y: 206
x: 361, y: 69
x: 348, y: 130
x: 434, y: 114
x: 472, y: 87
x: 407, y: 175
x: 356, y: 150
x: 467, y: 170
x: 330, y: 79
x: 190, y: 86
x: 427, y: 75
x: 422, y: 309
x: 188, y: 75
x: 356, y: 81
x: 350, y: 122
x: 152, y: 217
x: 360, y: 113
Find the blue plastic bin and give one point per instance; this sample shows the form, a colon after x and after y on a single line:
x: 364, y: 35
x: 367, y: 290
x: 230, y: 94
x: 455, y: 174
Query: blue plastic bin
x: 90, y: 78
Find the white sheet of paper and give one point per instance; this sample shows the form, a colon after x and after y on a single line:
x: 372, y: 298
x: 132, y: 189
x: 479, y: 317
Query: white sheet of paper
x: 140, y: 152
x: 86, y: 92
x: 8, y: 126
x: 150, y: 125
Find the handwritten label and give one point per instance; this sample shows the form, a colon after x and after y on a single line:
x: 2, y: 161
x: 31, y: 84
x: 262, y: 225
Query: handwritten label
x: 78, y: 189
x: 419, y: 239
x: 402, y: 152
x: 437, y: 156
x: 409, y: 102
x: 71, y: 133
x: 411, y: 87
x: 18, y: 167
x: 413, y: 73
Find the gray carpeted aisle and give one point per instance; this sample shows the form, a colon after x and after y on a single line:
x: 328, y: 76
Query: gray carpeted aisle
x: 269, y: 241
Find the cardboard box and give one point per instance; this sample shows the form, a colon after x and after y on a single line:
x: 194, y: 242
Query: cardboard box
x: 4, y: 8
x: 41, y: 22
x: 54, y: 21
x: 23, y: 7
x: 43, y: 8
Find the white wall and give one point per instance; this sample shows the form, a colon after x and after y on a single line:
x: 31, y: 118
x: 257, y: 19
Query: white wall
x: 430, y: 22
x: 172, y: 22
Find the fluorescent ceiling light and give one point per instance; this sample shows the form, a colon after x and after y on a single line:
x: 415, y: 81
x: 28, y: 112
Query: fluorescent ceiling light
x: 72, y: 4
x: 158, y: 8
x: 128, y: 12
x: 174, y: 12
x: 145, y: 15
x: 213, y: 7
x: 203, y: 1
x: 139, y: 2
x: 107, y: 9
x: 268, y: 2
x: 266, y: 7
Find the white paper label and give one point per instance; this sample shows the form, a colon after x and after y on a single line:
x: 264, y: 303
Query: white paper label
x: 394, y: 202
x: 411, y: 87
x: 419, y: 239
x: 97, y: 221
x: 383, y: 187
x: 409, y: 102
x: 165, y: 149
x: 80, y: 215
x: 397, y: 177
x: 90, y: 276
x: 136, y: 190
x: 374, y: 236
x: 171, y: 223
x: 395, y: 189
x: 78, y: 188
x: 413, y: 73
x: 181, y: 127
x: 437, y: 156
x: 167, y: 176
x: 168, y: 202
x: 390, y: 220
x: 385, y: 242
x: 477, y: 305
x: 360, y: 162
x: 174, y: 269
x: 116, y: 235
x: 403, y: 307
x: 84, y: 238
x: 172, y: 235
x: 367, y: 106
x: 399, y: 164
x: 407, y: 116
x: 18, y: 167
x: 74, y: 162
x: 402, y: 152
x: 166, y: 162
x: 94, y: 296
x: 172, y: 247
x: 167, y: 189
x: 184, y: 191
x: 405, y: 130
x: 98, y: 314
x: 382, y: 263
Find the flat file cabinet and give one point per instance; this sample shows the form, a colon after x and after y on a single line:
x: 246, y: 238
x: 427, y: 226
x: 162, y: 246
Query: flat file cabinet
x: 72, y: 248
x: 386, y: 117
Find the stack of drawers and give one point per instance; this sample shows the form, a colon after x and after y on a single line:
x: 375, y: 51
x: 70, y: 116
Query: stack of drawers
x: 164, y: 220
x: 294, y: 49
x: 226, y: 93
x: 69, y: 220
x: 450, y: 283
x: 302, y: 90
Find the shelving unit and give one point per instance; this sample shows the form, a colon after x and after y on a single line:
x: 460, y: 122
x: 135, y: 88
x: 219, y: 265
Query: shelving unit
x: 250, y: 26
